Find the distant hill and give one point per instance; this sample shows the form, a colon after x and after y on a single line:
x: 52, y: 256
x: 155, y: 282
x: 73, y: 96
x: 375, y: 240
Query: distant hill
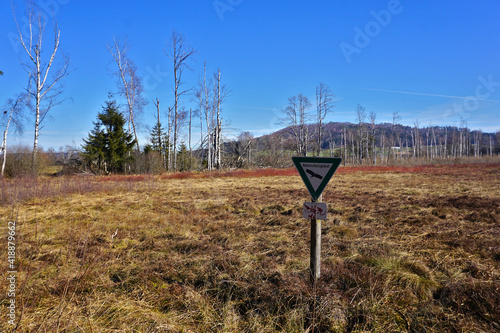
x: 365, y: 144
x: 400, y: 134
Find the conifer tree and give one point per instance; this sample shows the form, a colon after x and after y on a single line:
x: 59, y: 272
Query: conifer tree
x: 108, y: 147
x: 183, y: 158
x: 158, y: 138
x: 159, y: 141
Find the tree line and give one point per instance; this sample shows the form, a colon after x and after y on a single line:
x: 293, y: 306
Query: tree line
x: 113, y: 144
x: 165, y: 151
x: 371, y: 143
x: 46, y: 68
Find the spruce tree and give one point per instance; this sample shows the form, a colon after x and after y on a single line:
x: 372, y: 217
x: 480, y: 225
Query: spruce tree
x: 183, y: 158
x: 108, y: 147
x: 159, y: 141
x: 93, y: 149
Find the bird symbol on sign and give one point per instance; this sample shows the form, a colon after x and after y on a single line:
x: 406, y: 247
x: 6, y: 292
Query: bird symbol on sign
x: 313, y: 174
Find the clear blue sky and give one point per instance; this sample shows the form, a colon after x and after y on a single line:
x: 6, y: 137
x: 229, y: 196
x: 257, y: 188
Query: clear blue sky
x: 433, y: 61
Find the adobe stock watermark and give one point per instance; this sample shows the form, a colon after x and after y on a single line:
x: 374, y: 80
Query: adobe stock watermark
x: 47, y: 8
x: 363, y: 37
x: 223, y: 6
x: 11, y: 273
x: 154, y: 77
x: 483, y: 91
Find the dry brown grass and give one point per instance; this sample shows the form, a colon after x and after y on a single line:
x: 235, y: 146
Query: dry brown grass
x: 406, y: 250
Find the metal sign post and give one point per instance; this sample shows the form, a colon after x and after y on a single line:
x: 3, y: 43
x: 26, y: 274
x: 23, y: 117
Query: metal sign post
x: 315, y: 260
x: 316, y: 173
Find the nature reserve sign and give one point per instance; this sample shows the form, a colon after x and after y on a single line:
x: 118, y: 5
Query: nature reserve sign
x: 316, y: 172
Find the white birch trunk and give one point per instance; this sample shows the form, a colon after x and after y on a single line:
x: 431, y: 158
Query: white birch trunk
x: 169, y: 136
x: 4, y: 144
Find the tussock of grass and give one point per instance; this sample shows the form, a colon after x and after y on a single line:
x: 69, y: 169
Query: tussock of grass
x: 403, y: 250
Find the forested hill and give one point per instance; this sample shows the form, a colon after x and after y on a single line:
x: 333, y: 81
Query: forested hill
x: 389, y: 135
x: 359, y: 144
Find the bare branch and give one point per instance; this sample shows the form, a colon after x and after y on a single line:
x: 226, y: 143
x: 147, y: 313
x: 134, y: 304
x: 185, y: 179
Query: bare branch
x: 179, y: 53
x: 129, y: 83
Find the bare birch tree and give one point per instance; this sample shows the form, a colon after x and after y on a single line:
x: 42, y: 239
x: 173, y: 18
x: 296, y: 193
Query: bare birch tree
x: 360, y: 117
x: 208, y: 111
x: 179, y: 52
x: 331, y: 145
x: 129, y: 84
x: 13, y: 114
x: 296, y: 115
x: 427, y: 136
x: 199, y: 96
x: 240, y: 150
x: 373, y: 136
x: 169, y: 140
x: 217, y: 127
x: 189, y: 139
x: 324, y: 105
x: 220, y: 94
x: 43, y: 89
x: 210, y: 94
x: 394, y: 134
x: 416, y: 140
x: 491, y: 145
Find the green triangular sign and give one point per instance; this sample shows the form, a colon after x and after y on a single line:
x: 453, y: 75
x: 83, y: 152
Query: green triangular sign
x: 316, y: 172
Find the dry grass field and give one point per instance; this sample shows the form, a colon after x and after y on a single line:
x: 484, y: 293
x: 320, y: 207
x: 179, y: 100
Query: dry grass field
x: 405, y: 249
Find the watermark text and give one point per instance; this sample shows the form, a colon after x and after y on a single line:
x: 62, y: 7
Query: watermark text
x: 11, y: 273
x: 223, y: 6
x: 47, y: 8
x: 483, y: 91
x: 363, y: 37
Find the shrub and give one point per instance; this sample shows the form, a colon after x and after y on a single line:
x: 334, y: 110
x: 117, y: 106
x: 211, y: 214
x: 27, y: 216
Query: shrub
x: 19, y: 162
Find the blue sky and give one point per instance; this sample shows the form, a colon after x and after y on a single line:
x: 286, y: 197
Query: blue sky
x: 433, y: 61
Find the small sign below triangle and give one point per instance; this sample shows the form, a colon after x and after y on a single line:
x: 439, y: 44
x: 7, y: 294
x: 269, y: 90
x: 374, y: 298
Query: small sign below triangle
x: 315, y: 210
x: 316, y: 172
